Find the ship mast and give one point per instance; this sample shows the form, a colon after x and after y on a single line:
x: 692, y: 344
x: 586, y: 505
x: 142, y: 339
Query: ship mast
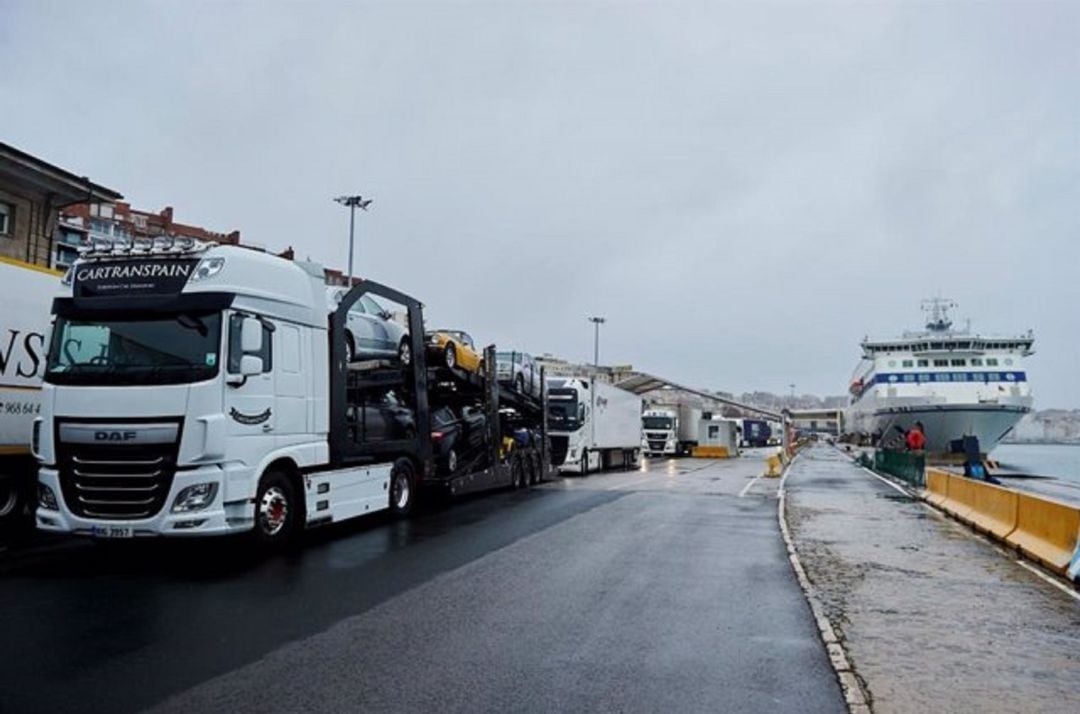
x: 938, y: 308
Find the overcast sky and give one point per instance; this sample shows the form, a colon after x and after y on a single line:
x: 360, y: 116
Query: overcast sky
x: 744, y: 191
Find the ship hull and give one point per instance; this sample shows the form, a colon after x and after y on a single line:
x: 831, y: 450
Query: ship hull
x: 943, y: 423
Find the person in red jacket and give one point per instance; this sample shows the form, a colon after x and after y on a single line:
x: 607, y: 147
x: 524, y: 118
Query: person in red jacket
x: 915, y: 438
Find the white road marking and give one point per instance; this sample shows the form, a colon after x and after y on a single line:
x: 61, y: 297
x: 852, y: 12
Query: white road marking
x: 748, y: 486
x: 1056, y: 583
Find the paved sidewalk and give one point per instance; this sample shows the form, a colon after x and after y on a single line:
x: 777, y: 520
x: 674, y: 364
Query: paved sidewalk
x: 933, y: 618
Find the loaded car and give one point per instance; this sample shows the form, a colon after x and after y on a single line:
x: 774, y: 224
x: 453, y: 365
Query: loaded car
x: 456, y: 436
x: 453, y: 348
x: 519, y: 371
x: 384, y: 417
x: 370, y: 331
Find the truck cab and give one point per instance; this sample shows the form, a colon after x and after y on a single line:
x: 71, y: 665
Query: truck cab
x: 661, y: 427
x: 177, y: 377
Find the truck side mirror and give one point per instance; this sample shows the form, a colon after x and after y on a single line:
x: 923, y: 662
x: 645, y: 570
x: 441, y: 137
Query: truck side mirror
x: 251, y: 337
x: 251, y: 365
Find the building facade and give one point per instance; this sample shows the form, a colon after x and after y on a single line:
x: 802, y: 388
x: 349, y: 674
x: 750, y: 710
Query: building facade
x: 118, y: 220
x: 32, y: 193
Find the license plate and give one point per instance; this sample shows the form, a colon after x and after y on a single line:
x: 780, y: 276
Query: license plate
x: 113, y: 532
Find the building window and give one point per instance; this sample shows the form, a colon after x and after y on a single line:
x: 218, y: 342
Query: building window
x: 7, y: 214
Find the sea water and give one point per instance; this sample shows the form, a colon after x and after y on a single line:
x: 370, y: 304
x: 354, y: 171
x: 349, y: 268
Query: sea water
x: 1059, y: 460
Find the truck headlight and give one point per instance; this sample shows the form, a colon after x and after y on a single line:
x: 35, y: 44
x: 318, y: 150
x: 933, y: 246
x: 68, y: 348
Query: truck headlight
x: 207, y: 268
x: 194, y: 498
x: 46, y: 498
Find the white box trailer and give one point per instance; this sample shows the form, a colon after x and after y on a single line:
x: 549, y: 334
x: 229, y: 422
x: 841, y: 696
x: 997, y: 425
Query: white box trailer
x: 24, y: 325
x: 593, y: 425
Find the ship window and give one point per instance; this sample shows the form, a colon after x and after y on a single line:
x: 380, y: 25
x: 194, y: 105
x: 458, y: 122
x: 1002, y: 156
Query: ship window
x: 908, y: 363
x: 941, y: 377
x: 991, y: 361
x: 993, y: 377
x: 958, y: 362
x: 924, y: 377
x: 892, y: 363
x: 976, y: 361
x: 1008, y: 360
x: 1009, y: 376
x: 941, y: 363
x: 924, y: 363
x: 959, y: 377
x: 909, y: 377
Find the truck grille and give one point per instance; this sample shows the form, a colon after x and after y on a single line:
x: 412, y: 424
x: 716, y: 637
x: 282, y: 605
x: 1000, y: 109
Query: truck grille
x: 116, y: 482
x: 657, y: 445
x: 559, y: 444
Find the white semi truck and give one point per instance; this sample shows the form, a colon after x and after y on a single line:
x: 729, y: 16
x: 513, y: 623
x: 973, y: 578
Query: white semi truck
x: 670, y: 430
x: 24, y: 322
x: 593, y: 425
x: 194, y: 389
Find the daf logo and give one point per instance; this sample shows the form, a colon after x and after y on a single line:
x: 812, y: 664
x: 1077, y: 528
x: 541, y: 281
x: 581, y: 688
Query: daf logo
x: 114, y: 435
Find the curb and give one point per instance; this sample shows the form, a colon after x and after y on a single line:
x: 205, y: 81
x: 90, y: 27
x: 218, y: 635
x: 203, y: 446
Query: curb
x: 855, y: 695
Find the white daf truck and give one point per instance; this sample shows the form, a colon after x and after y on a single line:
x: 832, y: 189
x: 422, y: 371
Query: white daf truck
x: 593, y: 425
x: 27, y: 292
x: 670, y: 430
x: 195, y: 389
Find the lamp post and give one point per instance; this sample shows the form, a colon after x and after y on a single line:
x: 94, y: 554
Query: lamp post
x: 596, y: 321
x: 353, y: 202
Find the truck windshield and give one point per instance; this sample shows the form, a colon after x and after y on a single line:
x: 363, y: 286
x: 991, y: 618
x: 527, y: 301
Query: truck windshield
x: 166, y: 349
x: 563, y: 412
x: 657, y: 423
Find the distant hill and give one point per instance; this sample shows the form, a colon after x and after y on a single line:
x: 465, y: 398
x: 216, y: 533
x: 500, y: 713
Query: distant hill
x: 1048, y: 426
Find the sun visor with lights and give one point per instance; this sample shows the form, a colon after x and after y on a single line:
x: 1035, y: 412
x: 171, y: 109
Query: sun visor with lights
x: 162, y: 265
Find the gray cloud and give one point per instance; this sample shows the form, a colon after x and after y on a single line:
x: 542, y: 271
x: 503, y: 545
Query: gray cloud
x: 744, y: 191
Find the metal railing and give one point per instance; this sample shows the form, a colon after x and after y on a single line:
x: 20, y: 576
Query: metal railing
x: 907, y: 466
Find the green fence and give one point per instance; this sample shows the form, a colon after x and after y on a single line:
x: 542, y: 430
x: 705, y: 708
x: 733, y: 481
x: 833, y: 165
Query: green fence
x: 904, y: 465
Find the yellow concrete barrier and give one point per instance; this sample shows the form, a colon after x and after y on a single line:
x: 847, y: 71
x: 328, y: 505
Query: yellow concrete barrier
x: 1046, y: 531
x: 711, y: 452
x: 937, y: 486
x: 960, y: 497
x: 774, y: 466
x: 994, y: 509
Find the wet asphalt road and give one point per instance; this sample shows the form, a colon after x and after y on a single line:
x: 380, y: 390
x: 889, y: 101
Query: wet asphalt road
x: 661, y: 589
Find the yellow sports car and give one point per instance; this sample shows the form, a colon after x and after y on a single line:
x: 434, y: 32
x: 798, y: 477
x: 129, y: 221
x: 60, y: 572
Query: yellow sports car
x: 454, y: 348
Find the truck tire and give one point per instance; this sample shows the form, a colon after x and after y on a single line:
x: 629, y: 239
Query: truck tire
x: 350, y: 348
x: 277, y: 510
x: 10, y: 500
x: 519, y: 384
x: 404, y: 351
x: 584, y: 462
x: 402, y: 487
x: 451, y: 356
x: 534, y: 468
x: 516, y: 472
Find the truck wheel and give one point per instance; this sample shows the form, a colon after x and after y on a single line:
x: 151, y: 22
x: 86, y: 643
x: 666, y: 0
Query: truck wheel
x: 534, y: 468
x: 585, y: 462
x: 451, y: 356
x: 402, y: 487
x: 10, y: 505
x: 404, y: 351
x: 516, y: 472
x: 276, y: 510
x: 520, y: 384
x: 451, y: 462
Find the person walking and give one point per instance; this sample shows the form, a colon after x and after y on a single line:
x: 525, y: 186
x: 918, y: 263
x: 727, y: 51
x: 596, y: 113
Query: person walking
x: 915, y: 439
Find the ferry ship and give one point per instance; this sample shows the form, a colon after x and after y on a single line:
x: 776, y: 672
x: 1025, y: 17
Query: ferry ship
x: 955, y: 383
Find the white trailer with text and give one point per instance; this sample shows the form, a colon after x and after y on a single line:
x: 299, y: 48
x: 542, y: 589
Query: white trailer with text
x: 594, y: 426
x: 24, y: 321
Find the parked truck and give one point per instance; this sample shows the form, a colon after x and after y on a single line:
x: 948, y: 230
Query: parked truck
x: 195, y: 389
x: 594, y: 426
x: 24, y: 321
x: 754, y: 433
x: 670, y: 430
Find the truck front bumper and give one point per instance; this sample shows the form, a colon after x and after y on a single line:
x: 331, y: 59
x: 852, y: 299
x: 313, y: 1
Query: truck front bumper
x: 217, y: 518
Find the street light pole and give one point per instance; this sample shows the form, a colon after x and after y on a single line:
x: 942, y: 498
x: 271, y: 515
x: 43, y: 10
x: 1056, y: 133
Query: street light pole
x: 596, y: 321
x: 353, y: 202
